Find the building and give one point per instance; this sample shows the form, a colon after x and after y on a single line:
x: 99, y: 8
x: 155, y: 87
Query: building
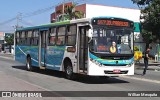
x: 3, y: 43
x: 2, y: 37
x: 90, y: 10
x: 58, y: 11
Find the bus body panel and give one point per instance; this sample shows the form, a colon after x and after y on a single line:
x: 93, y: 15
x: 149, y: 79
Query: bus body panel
x: 72, y: 57
x: 20, y: 54
x: 54, y: 57
x: 23, y: 51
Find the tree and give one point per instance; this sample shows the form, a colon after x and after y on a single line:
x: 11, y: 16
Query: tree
x: 142, y: 2
x: 69, y: 13
x: 72, y: 13
x: 150, y: 16
x: 9, y: 38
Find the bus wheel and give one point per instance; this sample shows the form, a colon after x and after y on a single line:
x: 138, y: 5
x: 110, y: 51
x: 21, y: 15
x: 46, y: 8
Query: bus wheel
x: 69, y: 71
x: 28, y: 64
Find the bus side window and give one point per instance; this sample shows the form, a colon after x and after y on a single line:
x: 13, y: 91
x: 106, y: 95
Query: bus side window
x: 71, y: 35
x: 23, y: 37
x: 52, y: 36
x: 17, y: 38
x: 35, y: 37
x: 29, y: 37
x: 20, y: 38
x: 61, y: 35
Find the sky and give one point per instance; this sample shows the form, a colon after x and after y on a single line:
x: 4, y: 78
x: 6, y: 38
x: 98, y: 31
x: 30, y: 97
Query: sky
x: 36, y: 12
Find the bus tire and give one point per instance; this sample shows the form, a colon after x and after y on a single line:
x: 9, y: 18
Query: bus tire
x: 29, y: 64
x: 69, y: 71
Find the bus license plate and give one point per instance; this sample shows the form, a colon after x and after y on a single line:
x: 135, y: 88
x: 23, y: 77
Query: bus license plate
x: 116, y: 71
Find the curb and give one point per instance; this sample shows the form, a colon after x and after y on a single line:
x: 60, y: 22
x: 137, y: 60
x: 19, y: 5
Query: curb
x: 10, y: 58
x: 142, y: 79
x: 154, y: 69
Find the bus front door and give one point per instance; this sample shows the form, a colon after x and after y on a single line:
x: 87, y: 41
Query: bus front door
x: 83, y: 48
x: 42, y: 48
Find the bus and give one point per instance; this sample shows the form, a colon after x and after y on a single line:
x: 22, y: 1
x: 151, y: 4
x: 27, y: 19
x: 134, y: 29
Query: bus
x: 81, y: 46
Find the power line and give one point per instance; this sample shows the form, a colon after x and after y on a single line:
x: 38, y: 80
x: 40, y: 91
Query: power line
x: 8, y: 21
x: 37, y: 12
x: 7, y: 30
x: 40, y: 11
x: 26, y: 23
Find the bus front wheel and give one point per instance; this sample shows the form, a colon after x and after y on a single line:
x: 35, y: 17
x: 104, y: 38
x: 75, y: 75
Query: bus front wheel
x: 69, y: 71
x: 28, y: 64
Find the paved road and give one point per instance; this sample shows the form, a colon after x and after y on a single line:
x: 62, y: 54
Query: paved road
x: 13, y: 76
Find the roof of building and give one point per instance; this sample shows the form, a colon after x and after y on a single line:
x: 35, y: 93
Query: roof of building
x: 110, y: 6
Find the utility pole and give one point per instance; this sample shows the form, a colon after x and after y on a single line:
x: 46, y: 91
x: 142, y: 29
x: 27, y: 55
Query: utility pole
x: 19, y: 18
x: 63, y: 10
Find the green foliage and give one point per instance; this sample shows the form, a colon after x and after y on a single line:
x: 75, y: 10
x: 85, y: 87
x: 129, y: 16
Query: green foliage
x: 72, y: 13
x: 150, y: 16
x: 142, y: 2
x: 9, y: 39
x: 69, y: 13
x: 147, y: 36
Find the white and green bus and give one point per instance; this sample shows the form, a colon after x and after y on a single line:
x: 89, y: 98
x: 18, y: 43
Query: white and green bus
x: 80, y: 46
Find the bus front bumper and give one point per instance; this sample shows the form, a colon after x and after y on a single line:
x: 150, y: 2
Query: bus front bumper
x: 95, y: 70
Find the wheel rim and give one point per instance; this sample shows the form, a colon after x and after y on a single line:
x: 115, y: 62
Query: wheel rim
x: 69, y: 70
x: 28, y: 64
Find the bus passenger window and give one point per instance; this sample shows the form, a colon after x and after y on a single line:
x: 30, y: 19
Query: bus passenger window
x: 52, y: 40
x: 61, y: 36
x: 52, y: 36
x: 71, y: 35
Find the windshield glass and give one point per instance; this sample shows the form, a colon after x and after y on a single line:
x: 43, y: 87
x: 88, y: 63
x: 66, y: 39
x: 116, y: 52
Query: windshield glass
x: 112, y: 40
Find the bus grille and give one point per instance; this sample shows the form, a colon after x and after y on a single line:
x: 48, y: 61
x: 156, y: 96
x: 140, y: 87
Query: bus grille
x: 114, y: 64
x: 111, y: 72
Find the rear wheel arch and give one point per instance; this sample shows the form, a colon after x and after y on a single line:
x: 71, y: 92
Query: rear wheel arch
x: 66, y: 61
x: 68, y: 68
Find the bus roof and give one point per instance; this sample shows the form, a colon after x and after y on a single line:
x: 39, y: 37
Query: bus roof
x: 56, y: 23
x: 67, y: 22
x: 44, y: 25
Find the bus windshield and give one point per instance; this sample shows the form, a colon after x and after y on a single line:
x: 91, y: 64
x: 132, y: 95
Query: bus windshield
x: 112, y: 40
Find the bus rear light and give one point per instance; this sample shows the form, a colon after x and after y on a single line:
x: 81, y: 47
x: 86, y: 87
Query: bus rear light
x: 71, y: 49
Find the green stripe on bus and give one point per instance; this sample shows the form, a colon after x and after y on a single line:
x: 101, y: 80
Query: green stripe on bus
x: 44, y: 25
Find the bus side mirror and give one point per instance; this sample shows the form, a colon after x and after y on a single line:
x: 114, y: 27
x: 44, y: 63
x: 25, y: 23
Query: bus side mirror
x: 90, y: 35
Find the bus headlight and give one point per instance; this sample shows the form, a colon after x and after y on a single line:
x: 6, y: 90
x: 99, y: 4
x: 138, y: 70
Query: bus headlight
x: 129, y: 65
x: 96, y: 62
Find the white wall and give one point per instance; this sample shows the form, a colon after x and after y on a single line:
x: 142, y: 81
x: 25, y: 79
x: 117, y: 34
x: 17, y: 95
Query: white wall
x: 99, y: 10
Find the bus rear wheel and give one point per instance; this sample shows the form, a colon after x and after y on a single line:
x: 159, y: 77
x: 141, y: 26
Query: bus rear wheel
x: 28, y: 64
x: 69, y: 71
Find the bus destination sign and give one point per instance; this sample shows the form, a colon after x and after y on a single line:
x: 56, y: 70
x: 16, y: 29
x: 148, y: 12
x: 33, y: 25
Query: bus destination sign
x: 110, y: 22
